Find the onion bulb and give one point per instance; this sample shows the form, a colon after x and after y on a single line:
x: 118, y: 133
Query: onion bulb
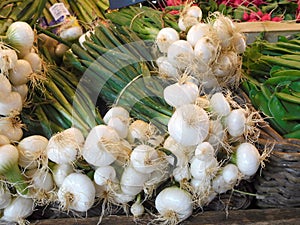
x: 219, y: 104
x: 8, y: 59
x: 34, y: 60
x: 247, y: 159
x: 5, y: 85
x: 145, y: 159
x: 165, y: 37
x: 198, y: 31
x: 166, y: 69
x: 179, y: 94
x: 4, y: 140
x: 236, y: 122
x: 60, y: 172
x: 132, y: 181
x: 189, y: 125
x: 18, y: 210
x: 11, y: 127
x: 64, y: 147
x: 5, y: 196
x: 9, y: 167
x: 77, y: 192
x: 116, y: 111
x: 206, y: 50
x: 20, y: 73
x: 22, y: 90
x: 101, y: 146
x: 174, y: 205
x: 180, y: 53
x: 10, y: 103
x: 20, y: 36
x: 32, y: 151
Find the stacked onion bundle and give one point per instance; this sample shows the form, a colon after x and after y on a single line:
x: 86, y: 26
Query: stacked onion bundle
x: 19, y: 64
x: 208, y: 51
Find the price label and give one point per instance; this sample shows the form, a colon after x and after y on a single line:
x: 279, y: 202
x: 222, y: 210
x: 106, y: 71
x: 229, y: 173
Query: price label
x: 59, y: 10
x: 116, y: 4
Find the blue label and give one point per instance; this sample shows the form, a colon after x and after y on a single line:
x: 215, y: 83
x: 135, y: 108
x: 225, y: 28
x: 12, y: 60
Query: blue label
x: 116, y: 4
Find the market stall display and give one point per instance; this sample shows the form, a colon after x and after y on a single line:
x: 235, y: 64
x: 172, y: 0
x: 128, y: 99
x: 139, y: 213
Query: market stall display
x: 153, y: 110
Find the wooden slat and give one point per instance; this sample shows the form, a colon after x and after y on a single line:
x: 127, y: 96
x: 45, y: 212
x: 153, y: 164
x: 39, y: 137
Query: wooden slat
x: 245, y: 217
x: 268, y: 26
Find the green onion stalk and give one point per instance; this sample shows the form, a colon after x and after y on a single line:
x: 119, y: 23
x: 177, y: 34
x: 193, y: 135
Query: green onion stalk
x: 59, y: 103
x: 20, y: 10
x: 145, y: 21
x: 117, y: 65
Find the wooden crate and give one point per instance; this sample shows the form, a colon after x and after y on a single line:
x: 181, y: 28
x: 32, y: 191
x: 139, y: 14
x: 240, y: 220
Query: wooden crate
x: 270, y: 29
x: 246, y: 217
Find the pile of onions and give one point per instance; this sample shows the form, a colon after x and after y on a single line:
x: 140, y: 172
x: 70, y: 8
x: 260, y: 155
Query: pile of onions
x: 210, y: 51
x: 18, y: 65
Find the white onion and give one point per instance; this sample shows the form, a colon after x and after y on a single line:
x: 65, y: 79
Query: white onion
x: 100, y: 146
x: 230, y: 173
x: 204, y: 150
x: 219, y: 104
x: 5, y: 196
x: 140, y: 131
x: 132, y: 181
x: 20, y: 35
x: 32, y: 151
x: 104, y: 174
x: 236, y: 122
x: 189, y: 125
x: 116, y: 111
x: 20, y: 73
x: 216, y: 134
x: 60, y: 172
x: 19, y: 209
x: 10, y: 103
x: 121, y: 125
x: 64, y: 147
x: 8, y: 59
x: 174, y: 205
x: 239, y: 43
x: 204, y: 169
x: 181, y: 152
x: 194, y: 11
x: 5, y: 85
x: 22, y: 90
x: 179, y: 94
x: 166, y: 68
x: 206, y: 50
x: 198, y: 31
x: 186, y: 22
x: 225, y: 29
x: 165, y: 37
x: 180, y: 53
x: 34, y: 60
x: 247, y: 158
x: 4, y: 140
x: 219, y: 185
x: 77, y: 192
x: 11, y: 128
x: 137, y: 209
x: 145, y: 159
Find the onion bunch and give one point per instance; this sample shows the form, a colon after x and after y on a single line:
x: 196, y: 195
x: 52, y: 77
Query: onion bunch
x: 19, y: 65
x: 209, y: 51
